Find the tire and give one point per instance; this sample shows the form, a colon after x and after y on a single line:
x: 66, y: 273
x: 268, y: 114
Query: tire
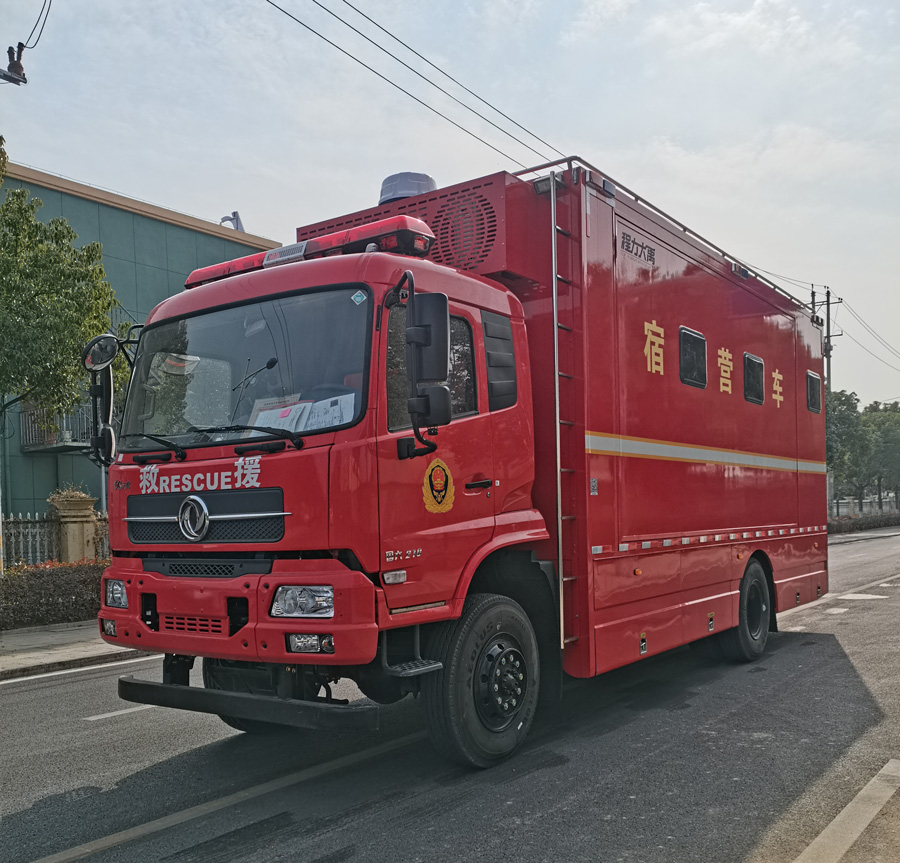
x: 224, y: 675
x: 747, y: 641
x: 467, y: 718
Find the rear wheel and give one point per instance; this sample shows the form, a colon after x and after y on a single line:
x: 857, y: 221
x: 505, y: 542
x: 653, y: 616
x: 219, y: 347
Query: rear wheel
x: 747, y: 641
x: 480, y: 706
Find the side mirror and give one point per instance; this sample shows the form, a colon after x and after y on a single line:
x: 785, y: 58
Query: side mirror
x: 429, y: 337
x: 99, y: 352
x: 431, y: 407
x: 97, y: 356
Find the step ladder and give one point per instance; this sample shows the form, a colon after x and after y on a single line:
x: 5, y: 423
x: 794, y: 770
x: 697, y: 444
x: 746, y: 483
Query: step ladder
x: 562, y: 333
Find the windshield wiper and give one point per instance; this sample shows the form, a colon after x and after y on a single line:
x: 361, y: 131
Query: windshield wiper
x: 180, y: 454
x: 293, y: 437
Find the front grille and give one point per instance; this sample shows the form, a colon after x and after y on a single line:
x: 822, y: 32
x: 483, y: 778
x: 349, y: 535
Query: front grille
x: 245, y: 530
x: 221, y: 504
x: 202, y: 625
x: 210, y: 570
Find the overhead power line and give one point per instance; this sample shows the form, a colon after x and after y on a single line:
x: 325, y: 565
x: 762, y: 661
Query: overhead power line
x: 427, y: 79
x: 393, y: 83
x: 47, y: 5
x: 885, y: 362
x: 871, y: 330
x: 454, y: 80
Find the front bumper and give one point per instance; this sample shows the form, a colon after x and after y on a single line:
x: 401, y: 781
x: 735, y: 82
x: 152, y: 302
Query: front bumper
x: 262, y: 708
x: 194, y: 616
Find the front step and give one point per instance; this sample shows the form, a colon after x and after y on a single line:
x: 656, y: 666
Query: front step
x: 412, y: 667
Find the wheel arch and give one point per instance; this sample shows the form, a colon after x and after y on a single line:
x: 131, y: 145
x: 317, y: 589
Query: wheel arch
x: 519, y: 575
x: 766, y: 563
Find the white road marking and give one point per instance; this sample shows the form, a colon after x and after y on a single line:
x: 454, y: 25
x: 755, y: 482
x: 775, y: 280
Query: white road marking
x: 861, y: 596
x: 835, y: 840
x: 75, y: 670
x: 887, y: 585
x: 176, y: 818
x: 836, y: 610
x: 118, y: 712
x: 832, y: 597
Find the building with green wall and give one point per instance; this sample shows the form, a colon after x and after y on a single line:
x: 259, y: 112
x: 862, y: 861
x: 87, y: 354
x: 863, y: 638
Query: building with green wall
x: 148, y: 252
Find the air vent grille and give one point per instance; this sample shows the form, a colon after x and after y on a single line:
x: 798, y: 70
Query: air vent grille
x: 465, y: 221
x: 181, y: 623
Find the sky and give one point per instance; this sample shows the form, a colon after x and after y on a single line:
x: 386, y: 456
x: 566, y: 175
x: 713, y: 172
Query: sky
x: 771, y: 127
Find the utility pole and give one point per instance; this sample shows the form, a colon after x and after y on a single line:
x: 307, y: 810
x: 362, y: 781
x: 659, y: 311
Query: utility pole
x: 828, y: 346
x: 827, y: 340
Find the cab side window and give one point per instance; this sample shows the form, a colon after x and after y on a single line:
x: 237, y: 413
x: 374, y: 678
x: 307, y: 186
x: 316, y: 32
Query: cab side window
x: 462, y: 370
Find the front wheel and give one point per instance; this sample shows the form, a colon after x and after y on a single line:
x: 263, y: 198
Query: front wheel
x: 480, y: 706
x: 747, y: 641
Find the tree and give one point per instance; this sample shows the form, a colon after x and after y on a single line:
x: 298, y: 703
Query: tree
x: 53, y: 299
x: 850, y: 445
x: 884, y: 419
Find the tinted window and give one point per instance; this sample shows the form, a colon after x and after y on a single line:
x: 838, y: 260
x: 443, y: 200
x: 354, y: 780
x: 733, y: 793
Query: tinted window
x: 462, y: 369
x: 754, y: 374
x: 692, y: 358
x: 813, y: 392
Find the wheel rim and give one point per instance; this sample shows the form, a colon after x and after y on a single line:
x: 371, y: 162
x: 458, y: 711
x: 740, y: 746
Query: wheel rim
x: 501, y: 683
x: 756, y: 611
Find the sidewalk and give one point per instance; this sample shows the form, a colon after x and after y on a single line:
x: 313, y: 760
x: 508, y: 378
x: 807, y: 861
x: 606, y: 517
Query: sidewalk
x: 71, y: 645
x: 51, y: 648
x: 860, y: 535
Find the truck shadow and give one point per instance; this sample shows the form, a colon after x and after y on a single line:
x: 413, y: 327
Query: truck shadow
x: 669, y: 759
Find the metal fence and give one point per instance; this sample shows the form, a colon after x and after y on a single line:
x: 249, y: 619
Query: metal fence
x: 34, y: 539
x: 40, y: 431
x: 870, y: 506
x: 30, y: 539
x: 102, y: 535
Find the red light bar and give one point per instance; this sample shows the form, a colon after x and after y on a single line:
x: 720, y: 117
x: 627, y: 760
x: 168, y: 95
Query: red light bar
x: 228, y: 268
x: 402, y: 234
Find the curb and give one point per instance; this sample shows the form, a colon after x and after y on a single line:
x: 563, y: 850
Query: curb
x: 857, y: 536
x: 77, y: 662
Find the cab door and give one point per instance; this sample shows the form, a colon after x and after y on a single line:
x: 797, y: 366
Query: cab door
x: 435, y: 510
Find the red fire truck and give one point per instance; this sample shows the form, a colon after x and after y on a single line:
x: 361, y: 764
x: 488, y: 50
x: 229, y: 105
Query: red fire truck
x: 458, y: 445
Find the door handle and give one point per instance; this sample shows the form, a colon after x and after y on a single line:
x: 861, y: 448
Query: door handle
x: 481, y: 483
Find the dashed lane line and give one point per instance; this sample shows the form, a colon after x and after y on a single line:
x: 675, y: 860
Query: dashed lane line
x: 118, y: 712
x: 176, y: 818
x: 81, y: 668
x: 835, y: 840
x: 831, y: 597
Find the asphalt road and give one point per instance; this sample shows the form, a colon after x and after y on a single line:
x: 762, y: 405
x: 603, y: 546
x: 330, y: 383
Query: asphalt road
x: 668, y: 760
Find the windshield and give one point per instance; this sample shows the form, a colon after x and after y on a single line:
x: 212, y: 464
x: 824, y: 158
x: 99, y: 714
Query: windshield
x: 296, y: 363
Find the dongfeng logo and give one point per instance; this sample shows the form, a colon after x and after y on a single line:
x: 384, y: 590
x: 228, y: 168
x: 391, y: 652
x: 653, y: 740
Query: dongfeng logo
x: 193, y: 518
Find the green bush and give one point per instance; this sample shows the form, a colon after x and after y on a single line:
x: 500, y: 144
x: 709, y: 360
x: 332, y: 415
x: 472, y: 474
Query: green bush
x: 50, y: 593
x: 852, y: 523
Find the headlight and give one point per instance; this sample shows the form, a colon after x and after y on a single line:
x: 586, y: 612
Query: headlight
x: 293, y: 601
x: 116, y: 597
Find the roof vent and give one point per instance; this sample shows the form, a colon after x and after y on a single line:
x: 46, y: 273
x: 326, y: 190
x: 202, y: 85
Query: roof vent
x: 405, y: 185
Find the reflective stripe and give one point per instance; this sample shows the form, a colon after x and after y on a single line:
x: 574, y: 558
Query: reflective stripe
x: 606, y: 444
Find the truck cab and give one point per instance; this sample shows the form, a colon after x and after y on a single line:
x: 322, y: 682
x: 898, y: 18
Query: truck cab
x: 273, y: 508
